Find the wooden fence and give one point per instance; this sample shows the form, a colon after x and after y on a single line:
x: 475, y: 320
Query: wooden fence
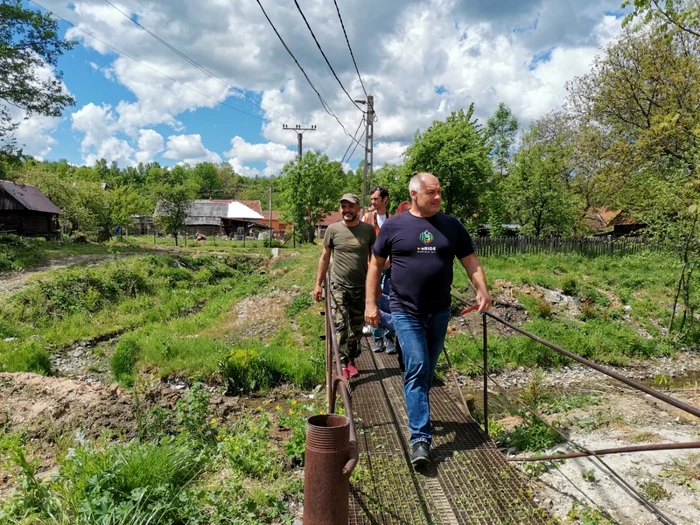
x: 495, y: 246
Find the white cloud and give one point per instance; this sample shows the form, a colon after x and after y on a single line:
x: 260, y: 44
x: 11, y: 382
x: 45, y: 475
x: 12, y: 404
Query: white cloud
x: 241, y: 169
x: 273, y: 154
x: 388, y: 152
x: 421, y: 59
x: 270, y: 151
x: 33, y: 134
x: 150, y: 144
x: 189, y: 149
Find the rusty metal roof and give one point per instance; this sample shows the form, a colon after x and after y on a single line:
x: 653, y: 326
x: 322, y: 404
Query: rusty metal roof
x: 30, y: 197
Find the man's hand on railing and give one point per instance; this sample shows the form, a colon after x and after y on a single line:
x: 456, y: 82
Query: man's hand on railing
x: 317, y: 293
x: 483, y: 299
x: 372, y: 314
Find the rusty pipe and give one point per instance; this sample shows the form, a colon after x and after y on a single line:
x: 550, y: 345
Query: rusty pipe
x: 354, y: 450
x: 326, y: 481
x: 619, y: 450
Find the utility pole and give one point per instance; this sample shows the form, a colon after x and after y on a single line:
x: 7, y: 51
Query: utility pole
x: 369, y: 148
x: 269, y: 209
x: 300, y: 135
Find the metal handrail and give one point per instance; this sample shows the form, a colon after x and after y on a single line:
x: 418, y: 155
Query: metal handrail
x: 333, y: 381
x: 595, y: 366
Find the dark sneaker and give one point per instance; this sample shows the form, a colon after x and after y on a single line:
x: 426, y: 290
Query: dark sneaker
x: 421, y: 454
x: 390, y: 346
x: 378, y: 346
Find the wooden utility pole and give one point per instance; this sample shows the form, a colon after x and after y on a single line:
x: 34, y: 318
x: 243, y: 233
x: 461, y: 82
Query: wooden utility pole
x: 369, y: 150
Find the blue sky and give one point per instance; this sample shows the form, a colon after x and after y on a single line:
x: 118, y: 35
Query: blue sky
x: 420, y: 59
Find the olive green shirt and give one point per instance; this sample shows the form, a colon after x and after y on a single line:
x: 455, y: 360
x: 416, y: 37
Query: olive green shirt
x: 350, y: 248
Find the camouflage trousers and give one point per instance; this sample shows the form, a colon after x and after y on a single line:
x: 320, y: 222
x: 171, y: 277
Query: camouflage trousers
x: 348, y: 319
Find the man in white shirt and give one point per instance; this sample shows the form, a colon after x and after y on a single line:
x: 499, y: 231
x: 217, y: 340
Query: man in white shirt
x: 379, y: 197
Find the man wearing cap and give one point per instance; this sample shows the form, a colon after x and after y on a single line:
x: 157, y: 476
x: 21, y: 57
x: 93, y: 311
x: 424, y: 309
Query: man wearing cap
x: 350, y: 243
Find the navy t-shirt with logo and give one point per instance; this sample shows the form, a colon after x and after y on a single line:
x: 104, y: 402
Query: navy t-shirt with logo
x: 422, y: 252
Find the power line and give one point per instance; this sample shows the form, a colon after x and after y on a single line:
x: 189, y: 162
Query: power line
x: 192, y: 61
x: 127, y: 55
x: 350, y: 145
x: 350, y: 47
x: 325, y: 105
x: 353, y: 150
x: 318, y: 45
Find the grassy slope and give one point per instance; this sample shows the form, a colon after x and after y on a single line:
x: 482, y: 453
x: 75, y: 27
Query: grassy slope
x: 21, y: 253
x: 607, y: 333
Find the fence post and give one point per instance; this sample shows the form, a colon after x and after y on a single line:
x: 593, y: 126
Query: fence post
x: 486, y: 373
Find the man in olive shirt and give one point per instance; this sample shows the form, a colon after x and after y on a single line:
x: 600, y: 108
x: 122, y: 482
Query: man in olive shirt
x: 350, y: 242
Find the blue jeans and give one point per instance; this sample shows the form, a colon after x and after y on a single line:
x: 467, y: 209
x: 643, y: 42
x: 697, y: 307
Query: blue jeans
x: 422, y: 339
x: 385, y: 328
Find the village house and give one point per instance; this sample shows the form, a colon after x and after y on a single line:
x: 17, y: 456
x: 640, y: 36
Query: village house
x: 214, y: 217
x: 25, y: 210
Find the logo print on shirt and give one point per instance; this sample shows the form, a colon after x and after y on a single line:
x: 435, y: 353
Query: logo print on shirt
x: 426, y: 237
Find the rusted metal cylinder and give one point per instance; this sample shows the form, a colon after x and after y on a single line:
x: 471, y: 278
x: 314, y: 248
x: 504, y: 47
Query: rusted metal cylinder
x: 326, y: 487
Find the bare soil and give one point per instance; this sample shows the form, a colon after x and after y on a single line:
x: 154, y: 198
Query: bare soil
x: 663, y: 476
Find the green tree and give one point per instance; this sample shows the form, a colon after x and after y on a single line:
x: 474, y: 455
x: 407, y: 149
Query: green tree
x: 174, y: 201
x: 644, y: 92
x: 310, y: 190
x: 28, y: 41
x: 536, y: 195
x: 502, y: 128
x: 125, y: 201
x: 206, y: 176
x: 456, y: 151
x: 668, y: 15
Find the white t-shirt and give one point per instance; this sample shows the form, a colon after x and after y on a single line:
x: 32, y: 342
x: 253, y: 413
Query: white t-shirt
x: 381, y: 219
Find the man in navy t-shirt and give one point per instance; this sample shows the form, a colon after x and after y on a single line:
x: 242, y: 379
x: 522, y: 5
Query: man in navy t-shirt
x: 422, y: 245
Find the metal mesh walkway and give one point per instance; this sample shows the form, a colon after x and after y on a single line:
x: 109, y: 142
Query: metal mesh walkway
x: 469, y: 481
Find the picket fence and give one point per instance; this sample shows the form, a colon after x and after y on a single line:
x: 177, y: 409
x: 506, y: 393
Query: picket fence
x: 589, y: 246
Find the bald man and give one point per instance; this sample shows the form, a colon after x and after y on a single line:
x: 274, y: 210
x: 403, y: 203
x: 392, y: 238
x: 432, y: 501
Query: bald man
x: 422, y: 244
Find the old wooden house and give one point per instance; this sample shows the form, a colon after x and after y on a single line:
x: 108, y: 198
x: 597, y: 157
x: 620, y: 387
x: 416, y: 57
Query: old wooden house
x: 25, y: 210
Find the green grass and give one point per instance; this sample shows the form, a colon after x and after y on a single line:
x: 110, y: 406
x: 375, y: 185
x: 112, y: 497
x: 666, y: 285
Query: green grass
x: 84, y: 303
x: 20, y: 253
x: 205, y: 471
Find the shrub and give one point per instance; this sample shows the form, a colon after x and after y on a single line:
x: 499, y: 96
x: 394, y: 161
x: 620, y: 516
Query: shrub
x: 570, y: 286
x: 300, y: 303
x: 25, y: 357
x: 124, y: 359
x: 543, y: 309
x: 593, y: 296
x: 531, y: 435
x: 258, y: 367
x: 245, y: 371
x: 78, y: 238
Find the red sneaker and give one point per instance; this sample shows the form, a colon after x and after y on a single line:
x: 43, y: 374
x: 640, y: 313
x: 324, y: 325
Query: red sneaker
x: 352, y: 371
x: 346, y: 374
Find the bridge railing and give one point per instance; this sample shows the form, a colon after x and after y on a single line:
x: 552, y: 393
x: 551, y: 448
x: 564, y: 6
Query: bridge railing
x: 336, y: 381
x: 582, y: 451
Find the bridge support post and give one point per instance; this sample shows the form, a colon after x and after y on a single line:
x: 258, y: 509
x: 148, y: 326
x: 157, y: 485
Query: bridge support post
x: 486, y: 375
x: 326, y: 487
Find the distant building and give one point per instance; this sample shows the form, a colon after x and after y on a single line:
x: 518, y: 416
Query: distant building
x: 25, y: 210
x: 598, y: 219
x: 625, y: 223
x: 214, y: 217
x: 332, y: 217
x: 277, y: 224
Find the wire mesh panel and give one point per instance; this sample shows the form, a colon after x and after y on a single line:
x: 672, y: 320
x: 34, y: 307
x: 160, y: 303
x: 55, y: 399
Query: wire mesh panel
x: 469, y: 481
